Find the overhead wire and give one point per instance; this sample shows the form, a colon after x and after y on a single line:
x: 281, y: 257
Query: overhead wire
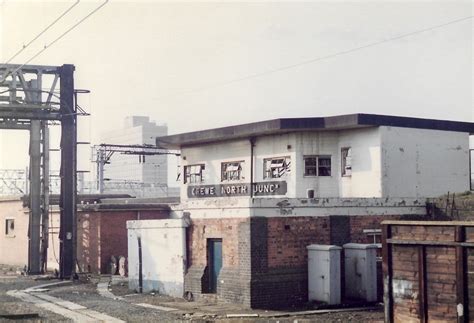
x: 56, y: 40
x: 43, y: 31
x: 313, y: 60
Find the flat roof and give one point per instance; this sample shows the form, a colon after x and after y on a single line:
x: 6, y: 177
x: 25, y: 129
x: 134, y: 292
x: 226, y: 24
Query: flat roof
x: 287, y: 125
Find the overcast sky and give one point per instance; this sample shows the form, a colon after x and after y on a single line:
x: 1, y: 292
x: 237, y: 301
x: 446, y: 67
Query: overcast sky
x: 164, y: 59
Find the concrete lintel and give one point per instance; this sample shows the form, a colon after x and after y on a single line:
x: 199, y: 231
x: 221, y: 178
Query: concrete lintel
x: 324, y: 202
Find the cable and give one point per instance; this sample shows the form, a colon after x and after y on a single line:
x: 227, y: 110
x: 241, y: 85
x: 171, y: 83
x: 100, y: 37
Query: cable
x: 313, y: 60
x: 42, y: 32
x: 57, y: 39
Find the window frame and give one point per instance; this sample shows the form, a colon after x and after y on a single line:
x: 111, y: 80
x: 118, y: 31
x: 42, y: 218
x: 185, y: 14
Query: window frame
x: 187, y: 176
x: 10, y: 227
x: 239, y: 171
x: 317, y: 166
x: 348, y: 151
x: 269, y: 174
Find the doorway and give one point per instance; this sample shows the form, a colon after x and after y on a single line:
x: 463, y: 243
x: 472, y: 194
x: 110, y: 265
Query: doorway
x: 214, y: 262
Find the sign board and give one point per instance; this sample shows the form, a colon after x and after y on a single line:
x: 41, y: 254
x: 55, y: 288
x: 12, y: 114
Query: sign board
x: 237, y: 189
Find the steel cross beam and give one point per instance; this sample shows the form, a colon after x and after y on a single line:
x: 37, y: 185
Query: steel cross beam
x: 25, y: 105
x: 135, y: 149
x: 104, y: 152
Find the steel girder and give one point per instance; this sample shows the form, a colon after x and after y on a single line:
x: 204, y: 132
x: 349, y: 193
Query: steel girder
x: 25, y: 105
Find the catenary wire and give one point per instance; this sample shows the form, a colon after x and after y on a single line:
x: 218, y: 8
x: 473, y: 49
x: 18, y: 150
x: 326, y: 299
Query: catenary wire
x: 57, y: 39
x: 42, y: 32
x: 313, y: 60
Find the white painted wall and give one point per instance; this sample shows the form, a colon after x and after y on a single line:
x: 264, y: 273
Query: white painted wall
x: 284, y: 207
x: 317, y: 143
x: 163, y: 255
x: 14, y: 248
x: 212, y: 156
x: 365, y: 180
x: 386, y: 162
x: 424, y: 163
x: 366, y: 163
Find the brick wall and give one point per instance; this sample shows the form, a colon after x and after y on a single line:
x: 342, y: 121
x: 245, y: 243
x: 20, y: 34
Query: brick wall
x: 440, y: 280
x: 88, y: 244
x: 226, y: 229
x: 113, y: 232
x: 441, y: 283
x: 233, y: 283
x: 265, y: 258
x: 427, y: 256
x: 288, y: 238
x: 103, y: 234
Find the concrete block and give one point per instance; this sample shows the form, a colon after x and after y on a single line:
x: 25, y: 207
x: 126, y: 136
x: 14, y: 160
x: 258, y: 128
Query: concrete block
x: 324, y: 273
x: 360, y: 271
x: 163, y: 255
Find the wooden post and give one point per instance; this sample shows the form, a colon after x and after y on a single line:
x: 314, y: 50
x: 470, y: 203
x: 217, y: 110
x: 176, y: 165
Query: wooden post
x: 461, y: 277
x: 422, y: 290
x: 387, y: 273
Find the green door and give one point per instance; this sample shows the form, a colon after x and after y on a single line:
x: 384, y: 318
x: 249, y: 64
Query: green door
x: 214, y: 262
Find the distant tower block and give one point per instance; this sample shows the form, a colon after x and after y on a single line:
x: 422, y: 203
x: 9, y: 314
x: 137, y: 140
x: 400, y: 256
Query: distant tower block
x: 137, y: 130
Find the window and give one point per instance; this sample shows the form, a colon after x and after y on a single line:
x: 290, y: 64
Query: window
x: 231, y: 171
x: 374, y: 236
x: 346, y: 161
x: 193, y: 173
x: 9, y: 227
x: 276, y: 167
x: 317, y: 166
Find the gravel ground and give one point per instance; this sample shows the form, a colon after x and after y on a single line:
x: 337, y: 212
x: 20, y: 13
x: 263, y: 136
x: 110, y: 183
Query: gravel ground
x: 219, y: 312
x: 11, y: 305
x: 85, y: 293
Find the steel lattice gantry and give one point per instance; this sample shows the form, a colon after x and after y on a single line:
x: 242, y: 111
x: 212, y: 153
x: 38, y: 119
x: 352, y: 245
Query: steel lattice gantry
x: 25, y: 105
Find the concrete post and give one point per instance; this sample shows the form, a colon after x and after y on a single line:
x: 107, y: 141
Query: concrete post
x: 34, y: 265
x: 324, y: 273
x: 45, y: 195
x: 360, y: 271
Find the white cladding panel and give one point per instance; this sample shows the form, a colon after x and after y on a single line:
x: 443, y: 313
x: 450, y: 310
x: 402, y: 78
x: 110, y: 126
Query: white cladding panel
x: 212, y: 156
x: 364, y: 182
x: 317, y: 144
x: 424, y: 163
x: 163, y: 247
x: 366, y: 179
x: 386, y: 162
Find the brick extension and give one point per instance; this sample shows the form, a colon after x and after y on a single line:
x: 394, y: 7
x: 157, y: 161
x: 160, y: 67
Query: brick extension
x: 265, y: 258
x: 102, y: 234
